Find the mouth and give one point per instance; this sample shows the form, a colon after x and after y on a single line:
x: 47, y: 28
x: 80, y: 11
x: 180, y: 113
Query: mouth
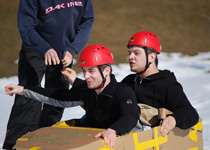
x: 131, y: 63
x: 89, y: 82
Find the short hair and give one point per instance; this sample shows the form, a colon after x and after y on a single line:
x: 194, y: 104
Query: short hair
x: 106, y: 65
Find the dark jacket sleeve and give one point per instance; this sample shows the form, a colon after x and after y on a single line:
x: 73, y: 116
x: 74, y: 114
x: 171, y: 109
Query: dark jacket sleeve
x: 78, y: 82
x: 56, y: 97
x: 129, y: 111
x: 27, y: 21
x: 185, y: 114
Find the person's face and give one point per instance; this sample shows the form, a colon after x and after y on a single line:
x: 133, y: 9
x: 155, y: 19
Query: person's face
x: 137, y: 58
x: 92, y: 77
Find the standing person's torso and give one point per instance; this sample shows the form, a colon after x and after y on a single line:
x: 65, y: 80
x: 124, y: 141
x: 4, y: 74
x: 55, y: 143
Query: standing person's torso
x: 64, y: 25
x: 58, y: 21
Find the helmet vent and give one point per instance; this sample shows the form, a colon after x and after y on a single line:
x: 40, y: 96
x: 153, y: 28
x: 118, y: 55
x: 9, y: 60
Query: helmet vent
x: 96, y: 50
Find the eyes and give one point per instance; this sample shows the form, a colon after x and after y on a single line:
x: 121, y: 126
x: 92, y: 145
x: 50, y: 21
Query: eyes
x: 90, y: 70
x: 134, y: 52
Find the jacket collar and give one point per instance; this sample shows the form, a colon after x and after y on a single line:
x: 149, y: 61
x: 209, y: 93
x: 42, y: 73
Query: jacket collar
x: 159, y: 75
x: 110, y: 88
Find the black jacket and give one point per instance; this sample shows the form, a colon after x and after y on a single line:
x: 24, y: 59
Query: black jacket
x: 115, y: 107
x: 161, y: 90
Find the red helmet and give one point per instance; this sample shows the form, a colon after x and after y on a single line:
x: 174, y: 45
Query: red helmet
x: 145, y: 39
x: 95, y: 55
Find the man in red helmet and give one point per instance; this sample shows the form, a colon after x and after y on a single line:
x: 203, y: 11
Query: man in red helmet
x: 108, y: 104
x: 157, y: 88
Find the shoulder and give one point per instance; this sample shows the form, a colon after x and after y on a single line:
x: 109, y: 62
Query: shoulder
x: 169, y: 80
x: 123, y: 89
x: 129, y: 79
x: 124, y: 94
x: 167, y: 76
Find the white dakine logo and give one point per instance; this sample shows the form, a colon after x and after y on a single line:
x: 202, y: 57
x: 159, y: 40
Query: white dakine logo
x: 63, y: 5
x: 129, y: 101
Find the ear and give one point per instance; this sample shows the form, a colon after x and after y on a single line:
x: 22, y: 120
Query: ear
x: 107, y: 70
x: 152, y: 57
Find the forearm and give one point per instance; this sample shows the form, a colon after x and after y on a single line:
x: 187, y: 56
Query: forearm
x: 78, y: 82
x: 51, y: 97
x: 125, y: 124
x: 186, y: 117
x: 184, y: 113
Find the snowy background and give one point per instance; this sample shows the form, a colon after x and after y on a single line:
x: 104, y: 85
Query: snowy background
x: 193, y: 72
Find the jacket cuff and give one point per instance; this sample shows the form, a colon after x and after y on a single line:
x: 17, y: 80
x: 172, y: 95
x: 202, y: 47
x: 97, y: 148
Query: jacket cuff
x: 78, y: 82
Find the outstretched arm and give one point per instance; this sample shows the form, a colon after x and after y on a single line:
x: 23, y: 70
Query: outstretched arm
x: 14, y: 89
x: 55, y: 97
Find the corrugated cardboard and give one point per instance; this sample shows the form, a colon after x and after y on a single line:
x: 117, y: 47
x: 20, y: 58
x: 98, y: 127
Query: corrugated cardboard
x: 61, y: 136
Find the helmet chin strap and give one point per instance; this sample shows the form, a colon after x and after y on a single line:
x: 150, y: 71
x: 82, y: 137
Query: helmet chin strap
x: 147, y: 61
x: 103, y: 78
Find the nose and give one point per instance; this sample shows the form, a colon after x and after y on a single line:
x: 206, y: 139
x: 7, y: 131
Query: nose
x: 86, y: 75
x: 131, y: 56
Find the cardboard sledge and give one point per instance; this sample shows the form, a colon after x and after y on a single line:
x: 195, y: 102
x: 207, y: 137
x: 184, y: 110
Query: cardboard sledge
x: 61, y: 136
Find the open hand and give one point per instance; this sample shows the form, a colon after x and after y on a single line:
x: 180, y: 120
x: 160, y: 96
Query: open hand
x: 51, y: 57
x: 167, y: 125
x: 109, y: 137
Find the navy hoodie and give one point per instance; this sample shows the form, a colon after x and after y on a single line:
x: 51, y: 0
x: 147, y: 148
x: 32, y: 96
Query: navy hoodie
x: 161, y: 90
x: 64, y: 25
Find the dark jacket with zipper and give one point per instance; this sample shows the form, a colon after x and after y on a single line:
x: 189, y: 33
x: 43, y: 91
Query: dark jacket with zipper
x: 161, y: 90
x: 115, y: 107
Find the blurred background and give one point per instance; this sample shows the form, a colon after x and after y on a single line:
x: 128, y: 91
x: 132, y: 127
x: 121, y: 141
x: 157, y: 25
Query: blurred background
x: 182, y: 26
